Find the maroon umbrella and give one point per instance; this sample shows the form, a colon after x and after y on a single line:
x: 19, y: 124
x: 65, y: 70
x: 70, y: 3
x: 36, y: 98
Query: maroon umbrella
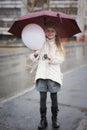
x: 67, y: 26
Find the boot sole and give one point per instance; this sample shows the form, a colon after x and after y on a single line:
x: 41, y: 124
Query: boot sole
x: 39, y: 128
x: 56, y: 127
x: 42, y: 128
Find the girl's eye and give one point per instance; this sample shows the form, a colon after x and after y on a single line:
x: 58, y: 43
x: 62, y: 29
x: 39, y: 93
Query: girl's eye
x: 50, y: 31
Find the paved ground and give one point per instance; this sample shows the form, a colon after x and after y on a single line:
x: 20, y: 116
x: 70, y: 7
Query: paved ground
x: 22, y: 113
x: 14, y: 70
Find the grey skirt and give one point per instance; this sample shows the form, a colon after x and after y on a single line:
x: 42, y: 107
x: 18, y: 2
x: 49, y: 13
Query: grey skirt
x: 47, y: 85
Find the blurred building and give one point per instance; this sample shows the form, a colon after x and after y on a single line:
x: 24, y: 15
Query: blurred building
x: 10, y: 10
x: 66, y: 6
x: 82, y: 17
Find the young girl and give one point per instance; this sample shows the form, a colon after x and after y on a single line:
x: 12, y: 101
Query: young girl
x: 48, y: 75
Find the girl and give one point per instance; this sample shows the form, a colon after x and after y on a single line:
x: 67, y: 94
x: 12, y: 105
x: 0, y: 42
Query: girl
x: 48, y: 74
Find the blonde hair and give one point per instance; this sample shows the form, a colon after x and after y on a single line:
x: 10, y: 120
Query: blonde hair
x: 59, y: 46
x: 53, y: 25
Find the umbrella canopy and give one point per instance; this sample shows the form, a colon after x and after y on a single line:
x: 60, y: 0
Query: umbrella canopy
x: 67, y: 26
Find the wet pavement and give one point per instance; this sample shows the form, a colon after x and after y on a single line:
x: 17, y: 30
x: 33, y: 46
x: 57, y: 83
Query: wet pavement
x: 14, y: 76
x: 14, y: 71
x: 22, y: 112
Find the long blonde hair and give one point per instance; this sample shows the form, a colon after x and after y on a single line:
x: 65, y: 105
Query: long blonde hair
x: 59, y: 46
x: 53, y: 25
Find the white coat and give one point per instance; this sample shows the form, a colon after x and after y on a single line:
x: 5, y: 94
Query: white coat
x: 49, y: 69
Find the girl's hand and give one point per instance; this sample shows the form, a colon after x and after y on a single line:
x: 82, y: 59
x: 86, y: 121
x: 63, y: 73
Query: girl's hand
x: 34, y: 56
x: 36, y: 53
x: 46, y: 57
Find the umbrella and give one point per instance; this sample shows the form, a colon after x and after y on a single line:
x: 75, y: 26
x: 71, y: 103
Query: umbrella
x: 67, y: 26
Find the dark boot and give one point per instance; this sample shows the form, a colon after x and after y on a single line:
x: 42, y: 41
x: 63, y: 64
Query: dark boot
x: 54, y: 111
x: 43, y: 121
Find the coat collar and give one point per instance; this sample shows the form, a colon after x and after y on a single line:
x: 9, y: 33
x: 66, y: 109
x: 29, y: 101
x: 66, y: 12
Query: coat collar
x: 50, y: 40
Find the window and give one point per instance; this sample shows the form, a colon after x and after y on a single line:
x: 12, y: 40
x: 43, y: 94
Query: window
x: 9, y: 12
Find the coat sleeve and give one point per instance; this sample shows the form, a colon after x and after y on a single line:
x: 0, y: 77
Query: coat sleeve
x: 57, y: 59
x: 33, y: 58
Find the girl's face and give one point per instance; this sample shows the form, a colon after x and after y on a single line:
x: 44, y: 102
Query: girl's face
x: 50, y: 33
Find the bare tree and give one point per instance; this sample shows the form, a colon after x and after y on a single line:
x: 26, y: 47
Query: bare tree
x: 31, y: 4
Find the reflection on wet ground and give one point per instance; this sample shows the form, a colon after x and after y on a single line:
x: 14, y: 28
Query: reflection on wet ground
x: 20, y: 112
x: 15, y: 76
